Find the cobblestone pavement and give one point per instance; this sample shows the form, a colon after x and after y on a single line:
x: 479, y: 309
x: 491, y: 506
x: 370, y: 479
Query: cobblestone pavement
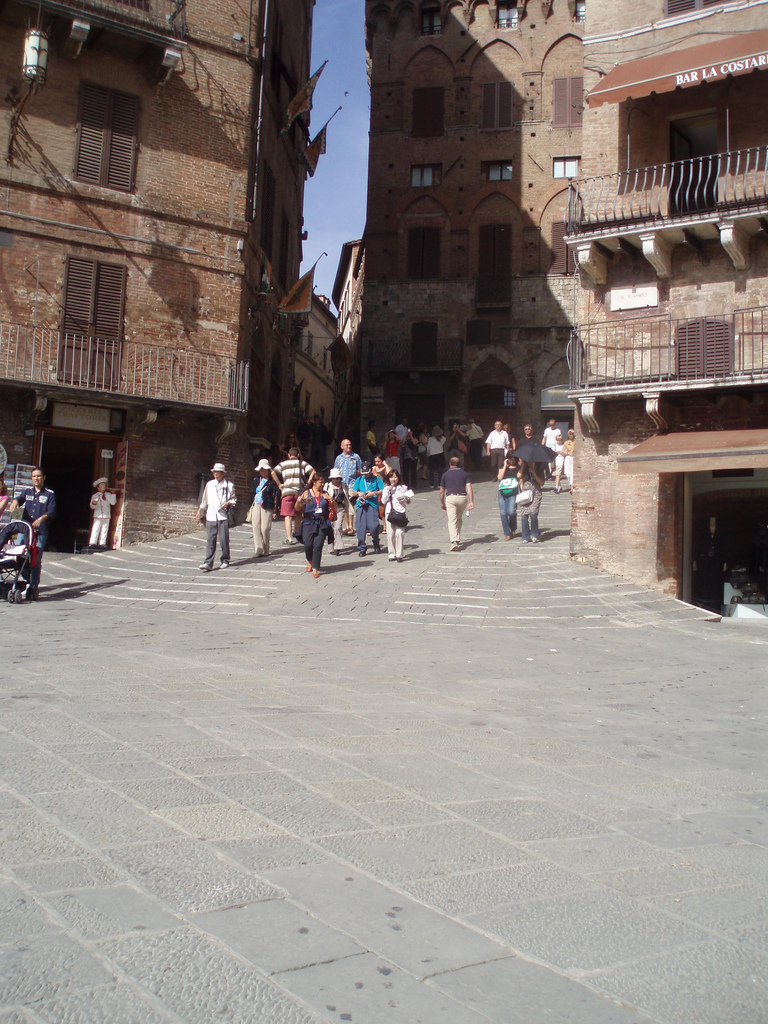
x: 252, y: 796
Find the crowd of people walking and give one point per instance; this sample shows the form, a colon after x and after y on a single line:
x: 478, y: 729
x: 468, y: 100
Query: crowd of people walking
x: 365, y: 498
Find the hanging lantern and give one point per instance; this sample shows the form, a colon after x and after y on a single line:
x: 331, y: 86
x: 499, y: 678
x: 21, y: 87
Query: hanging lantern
x: 35, y: 56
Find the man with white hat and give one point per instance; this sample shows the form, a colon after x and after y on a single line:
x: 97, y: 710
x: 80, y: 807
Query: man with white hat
x: 218, y: 499
x: 266, y: 502
x: 101, y: 503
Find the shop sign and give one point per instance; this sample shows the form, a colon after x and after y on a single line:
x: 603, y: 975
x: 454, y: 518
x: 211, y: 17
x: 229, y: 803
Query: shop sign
x: 714, y: 71
x: 107, y: 453
x: 80, y: 417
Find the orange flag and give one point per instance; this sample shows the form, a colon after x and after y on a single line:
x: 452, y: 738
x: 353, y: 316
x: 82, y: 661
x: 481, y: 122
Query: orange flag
x: 302, y: 101
x: 299, y: 298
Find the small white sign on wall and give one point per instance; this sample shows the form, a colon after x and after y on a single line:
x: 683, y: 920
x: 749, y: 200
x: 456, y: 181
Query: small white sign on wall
x: 634, y: 298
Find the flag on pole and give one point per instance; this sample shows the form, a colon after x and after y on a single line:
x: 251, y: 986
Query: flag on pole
x: 302, y: 101
x: 341, y: 357
x: 314, y: 151
x: 299, y: 298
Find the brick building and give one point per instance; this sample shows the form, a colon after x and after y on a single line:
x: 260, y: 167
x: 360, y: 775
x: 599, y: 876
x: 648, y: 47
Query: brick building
x: 314, y: 384
x: 669, y: 364
x: 144, y: 185
x: 348, y: 289
x: 475, y: 128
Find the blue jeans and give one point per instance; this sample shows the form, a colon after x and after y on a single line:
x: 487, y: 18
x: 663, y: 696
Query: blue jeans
x: 530, y: 526
x: 367, y: 520
x: 508, y: 514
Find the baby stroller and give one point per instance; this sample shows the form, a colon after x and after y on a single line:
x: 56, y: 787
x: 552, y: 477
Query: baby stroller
x: 18, y: 554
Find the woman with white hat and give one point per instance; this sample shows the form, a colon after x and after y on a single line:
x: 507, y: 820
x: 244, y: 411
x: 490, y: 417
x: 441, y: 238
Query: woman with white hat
x: 335, y: 491
x: 218, y: 499
x: 266, y: 502
x: 101, y: 503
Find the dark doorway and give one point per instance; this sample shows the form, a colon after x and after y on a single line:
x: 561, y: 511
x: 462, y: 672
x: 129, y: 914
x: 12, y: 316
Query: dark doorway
x: 491, y: 402
x: 426, y: 409
x: 70, y: 465
x: 693, y: 150
x: 725, y: 527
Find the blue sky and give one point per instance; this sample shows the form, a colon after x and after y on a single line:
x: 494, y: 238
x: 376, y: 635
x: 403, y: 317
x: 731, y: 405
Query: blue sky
x: 334, y: 200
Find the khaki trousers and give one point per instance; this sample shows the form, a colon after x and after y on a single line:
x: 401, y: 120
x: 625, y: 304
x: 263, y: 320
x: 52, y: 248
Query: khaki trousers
x: 455, y: 506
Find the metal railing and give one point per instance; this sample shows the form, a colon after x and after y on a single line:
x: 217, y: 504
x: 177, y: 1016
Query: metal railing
x: 697, y: 189
x: 402, y: 355
x: 52, y: 358
x: 166, y: 16
x: 729, y: 348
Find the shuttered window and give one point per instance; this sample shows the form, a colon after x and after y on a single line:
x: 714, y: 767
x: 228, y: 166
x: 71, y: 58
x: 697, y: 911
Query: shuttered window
x: 497, y: 106
x: 267, y: 209
x: 672, y: 7
x: 107, y: 138
x: 704, y: 349
x: 92, y: 323
x: 567, y: 102
x: 428, y: 112
x: 424, y: 344
x: 495, y: 249
x: 478, y: 332
x: 423, y: 252
x: 563, y: 258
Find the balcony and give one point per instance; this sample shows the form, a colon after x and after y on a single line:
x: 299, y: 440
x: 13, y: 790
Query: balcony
x: 723, y: 195
x: 62, y: 363
x: 405, y: 356
x: 632, y: 356
x: 146, y: 17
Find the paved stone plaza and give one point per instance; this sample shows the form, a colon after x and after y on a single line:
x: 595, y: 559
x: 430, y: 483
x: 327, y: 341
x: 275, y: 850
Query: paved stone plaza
x: 485, y: 786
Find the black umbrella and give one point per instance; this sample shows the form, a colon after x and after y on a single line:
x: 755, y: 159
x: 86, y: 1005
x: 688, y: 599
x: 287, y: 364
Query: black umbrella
x: 532, y: 451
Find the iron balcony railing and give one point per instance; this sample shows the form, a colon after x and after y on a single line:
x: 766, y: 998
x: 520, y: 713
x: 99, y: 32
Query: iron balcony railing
x: 405, y: 356
x: 703, y: 188
x: 165, y: 16
x: 720, y: 348
x: 51, y: 358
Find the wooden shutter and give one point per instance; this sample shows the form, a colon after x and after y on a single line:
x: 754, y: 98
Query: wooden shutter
x: 423, y: 252
x: 94, y: 300
x: 89, y: 158
x: 78, y: 296
x: 495, y: 250
x: 267, y: 209
x: 679, y: 6
x: 428, y: 112
x: 704, y: 349
x: 109, y: 300
x: 478, y: 332
x: 497, y: 106
x: 567, y: 102
x: 575, y: 101
x: 123, y: 132
x: 424, y: 344
x: 563, y: 257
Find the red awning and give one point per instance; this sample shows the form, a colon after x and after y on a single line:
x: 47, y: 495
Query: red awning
x: 710, y: 62
x: 696, y: 451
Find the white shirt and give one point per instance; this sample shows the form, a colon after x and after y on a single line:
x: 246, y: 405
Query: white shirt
x: 498, y: 439
x: 402, y: 432
x: 474, y: 432
x: 550, y: 433
x: 435, y: 445
x: 214, y: 496
x: 101, y: 502
x: 395, y: 495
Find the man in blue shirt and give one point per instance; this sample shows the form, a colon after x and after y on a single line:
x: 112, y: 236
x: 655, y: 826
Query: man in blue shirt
x: 365, y: 491
x: 39, y: 504
x: 350, y: 465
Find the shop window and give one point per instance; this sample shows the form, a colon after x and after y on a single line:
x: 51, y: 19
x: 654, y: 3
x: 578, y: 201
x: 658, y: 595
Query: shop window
x: 497, y: 106
x: 267, y: 209
x: 424, y: 344
x: 107, y: 138
x: 566, y: 166
x: 423, y: 252
x: 580, y: 12
x: 567, y: 102
x: 704, y: 349
x: 425, y: 175
x: 501, y: 171
x: 430, y: 21
x: 507, y: 15
x: 478, y: 332
x: 428, y: 112
x: 672, y: 7
x: 92, y: 323
x: 563, y: 259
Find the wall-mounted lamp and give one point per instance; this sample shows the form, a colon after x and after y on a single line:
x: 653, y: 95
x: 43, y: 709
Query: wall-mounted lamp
x: 35, y: 56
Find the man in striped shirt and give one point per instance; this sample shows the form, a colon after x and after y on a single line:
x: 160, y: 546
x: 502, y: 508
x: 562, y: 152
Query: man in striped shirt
x: 292, y: 477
